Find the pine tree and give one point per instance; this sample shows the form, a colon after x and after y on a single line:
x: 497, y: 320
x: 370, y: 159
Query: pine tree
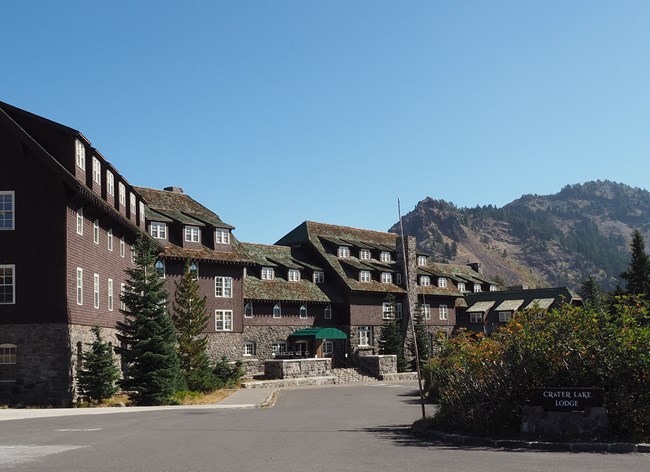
x: 147, y: 336
x: 190, y: 318
x: 391, y: 340
x: 421, y: 337
x: 592, y: 294
x: 98, y: 374
x: 637, y: 274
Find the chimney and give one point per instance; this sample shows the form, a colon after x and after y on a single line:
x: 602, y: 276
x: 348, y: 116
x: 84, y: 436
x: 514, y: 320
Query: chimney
x: 174, y: 189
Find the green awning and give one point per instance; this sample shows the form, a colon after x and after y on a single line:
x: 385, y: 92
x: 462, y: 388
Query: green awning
x: 319, y: 333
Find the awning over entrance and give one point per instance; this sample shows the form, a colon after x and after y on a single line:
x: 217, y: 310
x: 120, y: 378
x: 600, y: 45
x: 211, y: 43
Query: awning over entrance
x: 319, y: 333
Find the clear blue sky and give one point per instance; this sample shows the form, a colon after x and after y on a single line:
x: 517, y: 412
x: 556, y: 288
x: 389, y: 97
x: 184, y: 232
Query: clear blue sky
x: 275, y: 112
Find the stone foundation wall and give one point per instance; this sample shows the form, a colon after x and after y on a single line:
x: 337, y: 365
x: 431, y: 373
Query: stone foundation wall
x: 297, y: 368
x: 378, y: 366
x: 593, y: 422
x: 43, y: 374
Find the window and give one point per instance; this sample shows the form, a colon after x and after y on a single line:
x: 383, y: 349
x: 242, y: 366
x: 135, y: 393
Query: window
x: 384, y: 256
x: 443, y: 312
x: 223, y: 320
x: 96, y: 290
x: 110, y: 184
x: 122, y: 193
x: 248, y: 310
x: 364, y: 254
x: 7, y: 210
x: 221, y: 236
x: 461, y: 286
x: 80, y: 286
x: 80, y: 221
x: 388, y: 311
x: 80, y: 154
x: 194, y: 271
x: 158, y: 230
x: 122, y: 247
x: 493, y: 288
x: 364, y: 276
x: 319, y: 277
x: 303, y: 312
x: 141, y: 215
x: 97, y: 171
x: 442, y: 282
x: 192, y: 234
x: 422, y: 260
x: 477, y: 288
x: 277, y: 311
x: 398, y: 306
x: 268, y: 273
x: 223, y: 287
x: 328, y: 312
x: 132, y: 204
x: 364, y: 335
x: 425, y: 281
x: 132, y: 254
x: 476, y: 317
x: 426, y: 311
x: 159, y: 267
x: 249, y: 348
x: 110, y: 294
x: 294, y: 275
x: 505, y: 316
x: 7, y: 284
x: 7, y: 362
x: 386, y: 278
x: 96, y: 231
x: 344, y: 251
x: 279, y: 347
x: 122, y: 291
x: 109, y: 239
x: 328, y: 348
x: 398, y: 278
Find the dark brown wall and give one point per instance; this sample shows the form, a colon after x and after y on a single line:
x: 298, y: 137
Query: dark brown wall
x: 263, y: 315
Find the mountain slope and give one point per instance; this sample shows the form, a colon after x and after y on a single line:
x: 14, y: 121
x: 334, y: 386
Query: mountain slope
x: 538, y: 241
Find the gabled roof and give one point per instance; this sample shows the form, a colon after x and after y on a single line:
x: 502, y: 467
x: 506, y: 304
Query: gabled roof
x: 512, y: 300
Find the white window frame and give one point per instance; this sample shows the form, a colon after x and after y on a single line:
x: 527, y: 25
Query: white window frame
x: 8, y: 358
x: 422, y: 261
x: 343, y: 251
x: 80, y: 221
x: 122, y: 193
x: 493, y: 288
x: 443, y: 312
x: 97, y: 171
x: 426, y: 311
x: 267, y: 273
x: 425, y: 280
x: 365, y: 276
x: 221, y: 236
x: 386, y: 278
x: 249, y: 349
x: 303, y: 312
x: 7, y: 210
x: 223, y: 320
x: 11, y: 292
x: 385, y: 256
x: 293, y: 275
x: 363, y: 333
x: 80, y: 154
x: 192, y: 234
x: 505, y: 316
x: 476, y: 317
x: 158, y: 230
x: 279, y: 347
x: 109, y: 239
x: 442, y: 282
x: 133, y: 204
x: 80, y: 286
x: 327, y: 312
x: 122, y: 247
x: 387, y: 311
x: 461, y: 286
x: 140, y: 212
x: 110, y: 294
x: 477, y: 288
x: 365, y: 254
x: 96, y: 231
x: 110, y: 184
x: 159, y: 267
x: 277, y: 311
x: 122, y: 292
x: 222, y: 287
x: 328, y: 348
x: 319, y: 277
x: 96, y: 291
x: 398, y: 278
x: 248, y: 310
x: 194, y: 270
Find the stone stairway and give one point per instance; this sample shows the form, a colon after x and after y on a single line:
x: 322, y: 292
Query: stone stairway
x: 351, y: 375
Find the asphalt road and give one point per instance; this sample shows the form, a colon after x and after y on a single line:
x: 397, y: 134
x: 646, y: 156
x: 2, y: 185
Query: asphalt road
x: 342, y: 428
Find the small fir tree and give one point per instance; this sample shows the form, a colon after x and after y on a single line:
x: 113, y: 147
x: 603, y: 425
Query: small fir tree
x: 98, y: 374
x: 592, y: 294
x: 637, y: 274
x: 391, y: 340
x: 147, y: 336
x: 422, y: 339
x: 190, y: 318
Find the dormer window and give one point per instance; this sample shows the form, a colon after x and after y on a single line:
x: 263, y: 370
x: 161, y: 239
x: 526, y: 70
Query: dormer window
x: 221, y: 236
x: 319, y: 277
x: 493, y: 288
x: 141, y: 209
x: 194, y: 271
x: 277, y: 311
x: 364, y: 276
x: 344, y: 251
x: 160, y: 268
x: 398, y: 278
x: 248, y: 310
x: 7, y: 210
x: 425, y: 280
x: 364, y: 254
x: 158, y: 230
x: 110, y: 184
x: 80, y: 154
x: 422, y: 260
x: 122, y: 192
x: 384, y: 256
x: 477, y: 288
x: 97, y: 171
x: 442, y: 282
x: 386, y: 278
x: 461, y: 286
x: 268, y: 273
x: 294, y: 275
x: 327, y: 313
x: 192, y: 234
x: 303, y: 311
x: 132, y: 203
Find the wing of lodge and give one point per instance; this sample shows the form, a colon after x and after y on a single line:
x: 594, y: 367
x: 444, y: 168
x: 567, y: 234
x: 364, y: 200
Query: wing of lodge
x: 68, y: 220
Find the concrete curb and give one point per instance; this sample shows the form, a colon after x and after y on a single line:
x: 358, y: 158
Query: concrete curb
x: 475, y: 441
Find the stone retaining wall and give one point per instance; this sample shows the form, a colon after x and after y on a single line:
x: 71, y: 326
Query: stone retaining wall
x: 297, y: 368
x: 378, y: 365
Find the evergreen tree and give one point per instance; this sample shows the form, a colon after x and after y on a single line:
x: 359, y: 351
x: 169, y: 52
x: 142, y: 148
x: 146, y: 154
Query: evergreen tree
x: 190, y: 318
x: 147, y: 335
x: 637, y: 274
x: 422, y: 339
x: 98, y: 374
x: 592, y: 294
x: 391, y: 340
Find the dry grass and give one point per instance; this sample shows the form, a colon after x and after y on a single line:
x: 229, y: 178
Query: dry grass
x: 206, y: 398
